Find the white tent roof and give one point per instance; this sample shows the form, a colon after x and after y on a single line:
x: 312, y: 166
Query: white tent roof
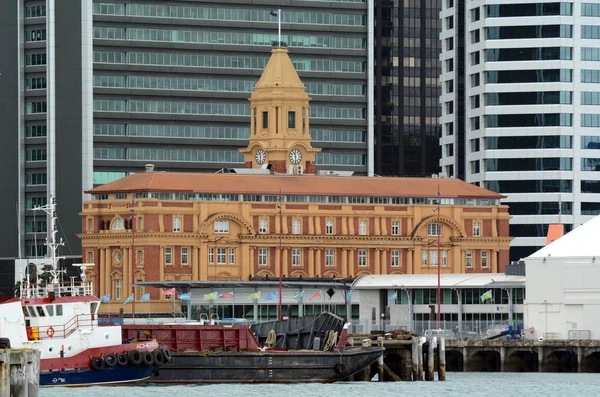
x: 414, y: 281
x: 580, y: 242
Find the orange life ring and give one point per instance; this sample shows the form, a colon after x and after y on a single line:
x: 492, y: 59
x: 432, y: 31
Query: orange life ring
x: 50, y: 332
x: 531, y: 330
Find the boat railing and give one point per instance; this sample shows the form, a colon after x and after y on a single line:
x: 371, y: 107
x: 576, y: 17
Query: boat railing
x: 61, y: 331
x: 70, y: 288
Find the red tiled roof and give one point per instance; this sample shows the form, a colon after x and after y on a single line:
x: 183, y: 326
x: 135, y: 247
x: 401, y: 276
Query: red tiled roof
x: 293, y: 185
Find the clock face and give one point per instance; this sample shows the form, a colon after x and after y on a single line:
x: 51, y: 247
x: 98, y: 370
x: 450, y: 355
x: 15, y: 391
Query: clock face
x: 295, y: 156
x: 260, y: 156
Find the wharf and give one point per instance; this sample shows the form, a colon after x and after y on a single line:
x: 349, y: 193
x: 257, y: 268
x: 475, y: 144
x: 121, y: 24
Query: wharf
x: 19, y: 372
x: 523, y: 355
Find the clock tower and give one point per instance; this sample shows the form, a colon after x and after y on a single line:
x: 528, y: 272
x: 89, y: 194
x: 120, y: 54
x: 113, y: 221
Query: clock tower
x: 279, y: 120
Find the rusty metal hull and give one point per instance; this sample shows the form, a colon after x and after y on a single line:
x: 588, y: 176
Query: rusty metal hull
x: 266, y: 367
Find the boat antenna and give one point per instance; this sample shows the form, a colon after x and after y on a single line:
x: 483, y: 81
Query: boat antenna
x: 51, y: 244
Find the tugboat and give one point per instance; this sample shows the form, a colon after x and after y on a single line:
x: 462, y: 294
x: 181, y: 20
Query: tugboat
x: 61, y: 321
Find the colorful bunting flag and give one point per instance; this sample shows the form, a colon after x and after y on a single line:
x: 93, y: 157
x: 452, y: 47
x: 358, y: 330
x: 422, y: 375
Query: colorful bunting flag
x: 299, y: 295
x: 105, y: 298
x: 254, y: 296
x: 169, y: 291
x: 486, y: 295
x: 349, y: 296
x: 185, y: 297
x: 129, y: 299
x: 226, y: 295
x: 145, y: 297
x: 271, y: 297
x: 393, y: 296
x: 316, y: 296
x: 211, y: 296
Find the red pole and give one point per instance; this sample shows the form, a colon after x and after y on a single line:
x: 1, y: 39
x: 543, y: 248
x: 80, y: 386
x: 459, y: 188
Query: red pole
x: 280, y: 257
x: 439, y: 264
x: 133, y: 256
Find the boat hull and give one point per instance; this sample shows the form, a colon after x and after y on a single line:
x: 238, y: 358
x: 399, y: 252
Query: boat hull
x: 265, y: 367
x: 89, y: 377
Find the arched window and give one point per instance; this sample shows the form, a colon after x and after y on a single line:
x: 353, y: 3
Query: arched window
x: 118, y: 224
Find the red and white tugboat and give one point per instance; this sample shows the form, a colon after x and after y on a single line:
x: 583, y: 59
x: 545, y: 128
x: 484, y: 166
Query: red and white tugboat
x: 61, y: 321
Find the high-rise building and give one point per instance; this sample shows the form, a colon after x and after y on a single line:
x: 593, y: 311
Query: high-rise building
x: 520, y: 108
x: 93, y: 90
x: 407, y: 89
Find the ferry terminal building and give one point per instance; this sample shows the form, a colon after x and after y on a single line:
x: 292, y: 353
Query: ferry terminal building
x: 278, y: 217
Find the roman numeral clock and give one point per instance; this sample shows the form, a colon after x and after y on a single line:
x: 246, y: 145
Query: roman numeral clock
x: 295, y: 156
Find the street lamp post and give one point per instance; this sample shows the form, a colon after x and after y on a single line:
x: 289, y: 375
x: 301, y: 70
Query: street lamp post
x: 133, y: 256
x: 280, y: 212
x: 439, y: 258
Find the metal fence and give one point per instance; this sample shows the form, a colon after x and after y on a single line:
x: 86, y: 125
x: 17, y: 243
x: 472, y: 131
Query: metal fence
x: 580, y: 334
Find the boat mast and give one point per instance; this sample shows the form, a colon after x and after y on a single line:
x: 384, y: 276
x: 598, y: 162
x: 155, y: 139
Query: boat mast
x: 51, y: 244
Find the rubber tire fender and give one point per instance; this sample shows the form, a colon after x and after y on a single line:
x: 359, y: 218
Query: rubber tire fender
x: 159, y: 357
x: 111, y: 360
x: 339, y: 368
x: 147, y: 359
x: 97, y: 363
x: 165, y: 351
x: 134, y: 357
x: 122, y: 360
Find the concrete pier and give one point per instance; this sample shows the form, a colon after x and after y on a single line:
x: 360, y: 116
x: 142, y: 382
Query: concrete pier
x: 19, y: 372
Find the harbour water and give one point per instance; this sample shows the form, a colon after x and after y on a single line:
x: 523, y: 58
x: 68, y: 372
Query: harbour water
x: 457, y: 385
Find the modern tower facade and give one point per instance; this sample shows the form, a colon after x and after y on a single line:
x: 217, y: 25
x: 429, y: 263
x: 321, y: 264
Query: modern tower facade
x: 520, y: 111
x: 407, y: 88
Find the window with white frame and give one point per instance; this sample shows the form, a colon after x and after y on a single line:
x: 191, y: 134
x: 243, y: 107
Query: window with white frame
x: 222, y: 226
x: 140, y: 257
x: 90, y: 257
x: 362, y: 227
x: 90, y: 224
x: 433, y: 258
x: 168, y: 256
x: 118, y: 290
x: 262, y: 257
x: 296, y: 226
x: 362, y: 258
x: 395, y: 258
x: 469, y: 261
x: 221, y: 256
x: 211, y: 255
x: 232, y: 255
x: 177, y: 224
x: 484, y: 259
x: 329, y: 226
x: 395, y: 228
x: 424, y: 256
x: 329, y: 257
x: 263, y: 226
x: 296, y: 256
x: 444, y: 258
x: 184, y: 255
x: 476, y: 229
x: 434, y: 229
x: 118, y: 224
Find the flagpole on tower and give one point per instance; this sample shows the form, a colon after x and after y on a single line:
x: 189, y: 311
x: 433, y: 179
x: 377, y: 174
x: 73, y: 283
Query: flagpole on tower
x: 279, y: 27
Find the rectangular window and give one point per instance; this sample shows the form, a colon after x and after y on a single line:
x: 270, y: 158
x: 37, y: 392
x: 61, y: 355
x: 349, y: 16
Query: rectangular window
x: 211, y: 256
x: 476, y: 229
x: 90, y: 257
x: 184, y: 256
x: 444, y: 258
x: 424, y: 256
x: 222, y: 256
x: 262, y: 257
x: 118, y: 291
x: 263, y: 226
x: 296, y: 256
x: 140, y: 258
x: 395, y: 228
x: 362, y: 229
x: 291, y: 119
x: 177, y: 224
x: 232, y: 256
x: 484, y: 259
x: 469, y: 261
x: 296, y: 226
x: 168, y: 256
x: 433, y: 258
x: 434, y: 229
x: 221, y: 226
x: 329, y: 226
x: 329, y: 257
x: 362, y: 258
x: 265, y: 119
x: 395, y: 258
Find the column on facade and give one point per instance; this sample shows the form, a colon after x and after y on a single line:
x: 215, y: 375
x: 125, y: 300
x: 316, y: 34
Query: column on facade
x: 344, y: 225
x: 161, y: 220
x: 351, y: 268
x: 494, y: 260
x: 350, y: 225
x: 377, y: 228
x: 285, y: 269
x: 311, y: 225
x: 385, y: 261
x: 103, y: 274
x: 410, y: 266
x: 377, y: 267
x: 318, y: 265
x: 203, y: 261
x: 384, y: 230
x: 126, y: 273
x: 278, y: 220
x: 457, y: 258
x: 195, y: 263
x: 285, y: 225
x: 318, y: 225
x: 344, y: 262
x: 311, y: 262
x: 250, y: 260
x: 161, y: 262
x: 278, y: 253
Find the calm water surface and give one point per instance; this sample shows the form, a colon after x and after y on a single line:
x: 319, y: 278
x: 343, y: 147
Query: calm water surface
x: 458, y: 384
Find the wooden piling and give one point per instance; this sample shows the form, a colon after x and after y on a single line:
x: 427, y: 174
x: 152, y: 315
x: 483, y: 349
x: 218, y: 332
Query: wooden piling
x: 415, y: 359
x: 420, y: 357
x: 380, y: 360
x: 429, y: 375
x: 19, y: 372
x: 441, y: 358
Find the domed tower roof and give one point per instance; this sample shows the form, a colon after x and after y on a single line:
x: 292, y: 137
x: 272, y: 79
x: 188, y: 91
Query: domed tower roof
x: 279, y: 79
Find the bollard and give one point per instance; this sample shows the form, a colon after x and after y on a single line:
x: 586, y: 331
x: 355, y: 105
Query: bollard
x: 415, y: 359
x: 430, y: 360
x: 380, y: 360
x: 19, y: 372
x: 442, y: 358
